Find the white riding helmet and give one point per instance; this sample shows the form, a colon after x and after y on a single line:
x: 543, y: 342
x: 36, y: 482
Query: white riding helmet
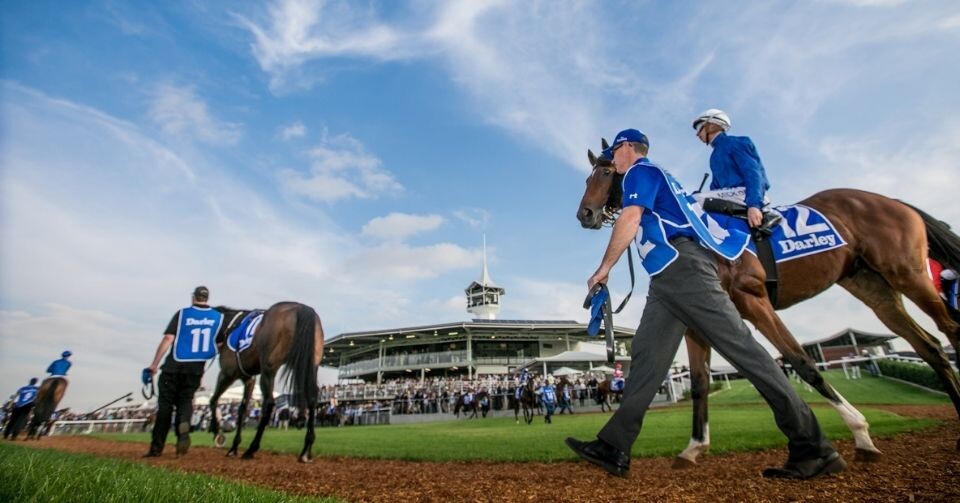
x: 712, y: 116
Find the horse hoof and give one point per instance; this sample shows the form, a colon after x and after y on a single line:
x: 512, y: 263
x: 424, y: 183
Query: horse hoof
x: 247, y: 456
x: 865, y: 456
x: 305, y: 459
x: 231, y: 453
x: 219, y: 440
x: 682, y: 463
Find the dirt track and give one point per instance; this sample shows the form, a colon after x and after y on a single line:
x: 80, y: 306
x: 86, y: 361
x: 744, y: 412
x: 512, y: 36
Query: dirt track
x: 917, y: 467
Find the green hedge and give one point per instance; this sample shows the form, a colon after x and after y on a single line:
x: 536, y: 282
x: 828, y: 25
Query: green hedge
x: 717, y: 385
x: 916, y: 373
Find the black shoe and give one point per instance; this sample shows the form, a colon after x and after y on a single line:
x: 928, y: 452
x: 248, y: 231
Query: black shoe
x: 601, y: 454
x: 808, y: 469
x: 183, y: 439
x: 183, y: 444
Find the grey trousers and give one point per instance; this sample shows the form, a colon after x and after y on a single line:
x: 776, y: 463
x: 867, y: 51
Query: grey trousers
x: 688, y: 294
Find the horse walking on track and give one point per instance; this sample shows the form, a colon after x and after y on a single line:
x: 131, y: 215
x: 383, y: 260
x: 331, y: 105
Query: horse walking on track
x: 885, y: 258
x: 527, y: 401
x: 49, y: 395
x: 606, y: 391
x: 289, y: 334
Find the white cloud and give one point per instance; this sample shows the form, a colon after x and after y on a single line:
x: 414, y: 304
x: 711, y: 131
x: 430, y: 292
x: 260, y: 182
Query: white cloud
x: 180, y: 112
x: 341, y: 169
x: 476, y: 218
x: 399, y: 226
x: 293, y: 130
x: 296, y: 31
x: 395, y: 261
x: 106, y: 231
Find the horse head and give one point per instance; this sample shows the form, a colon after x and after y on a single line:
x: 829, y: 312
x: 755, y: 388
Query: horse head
x: 602, y: 197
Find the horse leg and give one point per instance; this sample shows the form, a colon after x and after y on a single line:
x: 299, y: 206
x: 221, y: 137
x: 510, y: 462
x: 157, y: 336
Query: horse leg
x: 306, y: 455
x: 266, y: 388
x: 874, y: 291
x: 754, y: 306
x: 242, y: 415
x: 222, y: 384
x: 699, y: 354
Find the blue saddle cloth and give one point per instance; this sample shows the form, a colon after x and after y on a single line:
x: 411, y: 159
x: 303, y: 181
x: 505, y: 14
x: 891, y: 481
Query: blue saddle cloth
x: 802, y: 231
x: 242, y: 336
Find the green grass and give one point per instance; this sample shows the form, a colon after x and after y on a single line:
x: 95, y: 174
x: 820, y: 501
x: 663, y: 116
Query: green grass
x: 866, y: 391
x: 665, y: 433
x: 28, y: 474
x: 739, y: 420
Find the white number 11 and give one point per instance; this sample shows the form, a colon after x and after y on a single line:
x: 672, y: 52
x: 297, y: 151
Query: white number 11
x: 197, y: 333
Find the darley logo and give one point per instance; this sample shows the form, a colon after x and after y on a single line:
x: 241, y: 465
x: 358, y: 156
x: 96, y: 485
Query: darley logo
x: 632, y: 196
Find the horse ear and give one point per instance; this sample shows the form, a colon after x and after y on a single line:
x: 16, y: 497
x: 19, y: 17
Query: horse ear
x: 591, y: 157
x: 604, y: 144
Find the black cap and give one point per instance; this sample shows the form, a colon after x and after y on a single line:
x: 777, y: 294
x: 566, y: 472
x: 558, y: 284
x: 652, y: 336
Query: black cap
x: 201, y: 293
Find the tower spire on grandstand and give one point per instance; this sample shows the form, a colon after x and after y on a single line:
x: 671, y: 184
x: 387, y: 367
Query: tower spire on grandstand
x: 483, y: 297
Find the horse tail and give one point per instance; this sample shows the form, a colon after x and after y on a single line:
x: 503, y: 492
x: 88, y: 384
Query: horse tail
x: 944, y: 244
x: 300, y: 372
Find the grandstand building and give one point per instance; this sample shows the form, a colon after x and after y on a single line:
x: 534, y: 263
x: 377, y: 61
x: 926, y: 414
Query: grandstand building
x: 482, y: 346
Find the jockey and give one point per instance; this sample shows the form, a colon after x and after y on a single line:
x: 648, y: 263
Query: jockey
x: 60, y: 367
x: 26, y: 399
x: 738, y: 174
x: 468, y: 397
x: 522, y: 378
x: 618, y: 377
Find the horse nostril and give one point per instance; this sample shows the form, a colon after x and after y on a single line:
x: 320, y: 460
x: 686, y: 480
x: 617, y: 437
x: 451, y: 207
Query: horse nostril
x: 585, y: 214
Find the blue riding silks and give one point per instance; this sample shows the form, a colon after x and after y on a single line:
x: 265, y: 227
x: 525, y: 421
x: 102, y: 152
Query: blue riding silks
x: 596, y: 311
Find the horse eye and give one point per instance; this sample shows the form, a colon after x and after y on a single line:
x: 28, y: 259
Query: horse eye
x: 607, y: 171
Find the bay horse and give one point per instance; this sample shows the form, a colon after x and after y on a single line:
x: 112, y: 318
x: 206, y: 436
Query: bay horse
x: 888, y: 243
x: 49, y: 395
x: 605, y: 391
x: 467, y: 408
x: 527, y: 402
x: 290, y: 334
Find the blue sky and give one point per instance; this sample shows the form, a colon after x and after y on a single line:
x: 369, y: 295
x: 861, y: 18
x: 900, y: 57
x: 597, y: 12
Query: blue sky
x: 350, y: 154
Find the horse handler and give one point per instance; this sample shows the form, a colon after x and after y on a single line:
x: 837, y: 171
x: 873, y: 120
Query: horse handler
x: 685, y: 291
x: 191, y: 333
x: 26, y: 399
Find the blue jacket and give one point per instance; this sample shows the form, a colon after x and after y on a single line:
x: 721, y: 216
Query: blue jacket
x: 59, y: 367
x: 736, y: 163
x: 26, y: 395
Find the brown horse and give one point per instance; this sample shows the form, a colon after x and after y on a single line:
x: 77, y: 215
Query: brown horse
x: 48, y: 396
x: 289, y: 334
x: 527, y: 402
x: 885, y: 258
x: 605, y: 391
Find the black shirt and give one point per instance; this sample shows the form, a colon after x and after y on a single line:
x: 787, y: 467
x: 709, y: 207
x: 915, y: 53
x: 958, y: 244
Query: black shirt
x: 171, y: 365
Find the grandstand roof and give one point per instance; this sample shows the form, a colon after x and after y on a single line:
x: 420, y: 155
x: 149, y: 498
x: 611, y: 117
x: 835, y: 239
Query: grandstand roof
x: 843, y: 338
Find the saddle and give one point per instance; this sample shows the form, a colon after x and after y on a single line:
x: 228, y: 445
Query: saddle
x: 761, y: 238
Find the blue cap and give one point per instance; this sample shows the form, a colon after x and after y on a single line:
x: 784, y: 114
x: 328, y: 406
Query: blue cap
x: 627, y: 135
x: 66, y: 354
x: 33, y: 380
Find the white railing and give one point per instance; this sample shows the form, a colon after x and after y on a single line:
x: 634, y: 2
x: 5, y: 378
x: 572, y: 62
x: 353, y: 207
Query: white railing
x: 98, y: 426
